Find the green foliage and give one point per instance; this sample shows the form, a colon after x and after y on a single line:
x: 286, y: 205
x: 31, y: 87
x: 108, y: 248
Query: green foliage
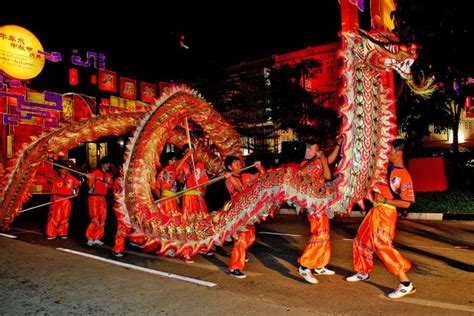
x: 447, y: 202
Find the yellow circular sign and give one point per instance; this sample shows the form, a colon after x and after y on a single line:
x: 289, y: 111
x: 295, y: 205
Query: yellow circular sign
x: 19, y: 52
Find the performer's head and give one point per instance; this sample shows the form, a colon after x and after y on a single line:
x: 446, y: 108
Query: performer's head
x: 312, y: 148
x: 233, y: 164
x: 168, y: 159
x: 104, y: 163
x: 396, y: 152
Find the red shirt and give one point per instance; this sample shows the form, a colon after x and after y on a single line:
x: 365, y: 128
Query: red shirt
x: 244, y: 179
x: 186, y: 176
x: 314, y: 168
x: 63, y: 187
x: 101, y: 183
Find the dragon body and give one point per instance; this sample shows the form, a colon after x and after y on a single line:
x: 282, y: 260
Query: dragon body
x: 367, y: 127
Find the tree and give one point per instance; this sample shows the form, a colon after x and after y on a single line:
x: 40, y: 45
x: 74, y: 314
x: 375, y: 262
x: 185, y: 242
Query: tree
x: 444, y: 34
x: 293, y: 106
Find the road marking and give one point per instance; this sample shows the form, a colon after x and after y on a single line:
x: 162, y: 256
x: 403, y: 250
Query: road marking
x: 278, y: 234
x: 131, y: 266
x: 8, y: 236
x: 429, y: 303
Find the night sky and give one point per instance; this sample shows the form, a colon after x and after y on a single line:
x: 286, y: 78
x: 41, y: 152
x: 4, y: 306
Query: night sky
x: 145, y: 44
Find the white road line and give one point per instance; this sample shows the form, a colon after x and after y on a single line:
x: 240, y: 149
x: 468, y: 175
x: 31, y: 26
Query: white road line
x: 8, y: 236
x: 131, y: 266
x: 429, y: 303
x: 278, y: 234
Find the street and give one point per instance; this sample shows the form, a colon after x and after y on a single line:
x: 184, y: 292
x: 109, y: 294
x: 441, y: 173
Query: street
x: 56, y: 277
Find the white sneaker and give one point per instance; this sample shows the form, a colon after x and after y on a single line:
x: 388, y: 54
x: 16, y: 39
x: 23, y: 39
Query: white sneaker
x: 307, y: 275
x: 402, y: 290
x: 324, y: 271
x: 90, y: 242
x: 98, y: 242
x: 358, y: 277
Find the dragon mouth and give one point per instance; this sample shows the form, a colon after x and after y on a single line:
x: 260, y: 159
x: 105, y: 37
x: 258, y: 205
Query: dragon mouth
x: 402, y: 67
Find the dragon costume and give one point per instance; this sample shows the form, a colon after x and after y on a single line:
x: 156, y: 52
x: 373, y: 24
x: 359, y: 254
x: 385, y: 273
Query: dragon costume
x: 367, y: 127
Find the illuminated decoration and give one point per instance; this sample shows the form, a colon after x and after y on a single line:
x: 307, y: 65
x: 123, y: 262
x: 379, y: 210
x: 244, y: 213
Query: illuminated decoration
x: 99, y: 60
x: 84, y: 107
x: 147, y: 92
x: 55, y: 57
x: 107, y: 80
x: 94, y: 79
x: 19, y: 52
x: 67, y: 114
x: 73, y: 77
x: 128, y: 88
x: 28, y: 111
x: 166, y: 87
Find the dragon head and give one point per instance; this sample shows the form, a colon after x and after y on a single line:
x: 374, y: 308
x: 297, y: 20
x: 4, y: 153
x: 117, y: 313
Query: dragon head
x: 383, y: 51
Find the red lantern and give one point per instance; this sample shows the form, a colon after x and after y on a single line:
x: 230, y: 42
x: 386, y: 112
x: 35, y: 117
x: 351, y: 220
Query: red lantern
x: 73, y: 77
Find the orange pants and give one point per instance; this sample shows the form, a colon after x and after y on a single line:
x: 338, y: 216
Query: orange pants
x: 317, y: 253
x: 119, y: 245
x: 58, y: 218
x: 244, y: 241
x: 98, y: 213
x: 375, y: 234
x: 194, y: 207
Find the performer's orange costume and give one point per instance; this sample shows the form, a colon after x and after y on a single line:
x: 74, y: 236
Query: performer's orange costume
x: 166, y: 182
x: 59, y: 212
x: 377, y: 230
x: 97, y: 203
x: 317, y: 253
x: 246, y: 238
x: 193, y: 205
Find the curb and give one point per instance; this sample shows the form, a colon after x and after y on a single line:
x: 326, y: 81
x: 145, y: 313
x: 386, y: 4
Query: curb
x: 413, y: 216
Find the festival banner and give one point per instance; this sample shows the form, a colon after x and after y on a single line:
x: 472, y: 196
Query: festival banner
x: 147, y: 92
x: 128, y: 88
x: 107, y: 80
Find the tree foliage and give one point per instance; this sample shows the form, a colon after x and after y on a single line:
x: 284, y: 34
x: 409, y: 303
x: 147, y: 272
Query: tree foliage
x: 443, y: 31
x: 293, y: 106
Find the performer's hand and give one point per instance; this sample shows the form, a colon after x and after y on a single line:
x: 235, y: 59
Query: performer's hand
x: 378, y: 198
x: 339, y: 140
x: 90, y: 177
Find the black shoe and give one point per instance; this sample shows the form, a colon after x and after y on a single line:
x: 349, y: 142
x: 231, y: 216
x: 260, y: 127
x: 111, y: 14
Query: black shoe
x: 236, y: 273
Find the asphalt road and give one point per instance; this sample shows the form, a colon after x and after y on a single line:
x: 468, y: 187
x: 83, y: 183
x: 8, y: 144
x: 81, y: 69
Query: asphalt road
x: 39, y: 276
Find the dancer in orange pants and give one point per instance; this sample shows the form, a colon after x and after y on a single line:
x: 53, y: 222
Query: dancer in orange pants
x: 100, y: 181
x: 317, y: 253
x: 236, y: 182
x: 377, y: 230
x: 63, y: 186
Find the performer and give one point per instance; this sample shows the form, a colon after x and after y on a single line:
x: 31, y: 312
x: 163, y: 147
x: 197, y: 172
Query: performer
x: 377, y: 230
x: 99, y: 182
x: 63, y: 186
x: 193, y: 205
x: 317, y: 253
x: 236, y: 182
x: 166, y: 181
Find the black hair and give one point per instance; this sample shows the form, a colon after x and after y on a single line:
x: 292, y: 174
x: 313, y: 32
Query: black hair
x: 166, y: 157
x: 398, y: 144
x: 229, y: 160
x: 104, y: 160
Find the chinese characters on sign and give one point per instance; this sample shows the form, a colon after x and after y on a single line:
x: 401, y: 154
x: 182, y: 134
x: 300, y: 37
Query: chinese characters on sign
x: 128, y: 88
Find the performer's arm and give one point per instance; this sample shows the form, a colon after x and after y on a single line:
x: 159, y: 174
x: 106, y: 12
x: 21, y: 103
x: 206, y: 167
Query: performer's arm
x: 335, y: 152
x: 324, y: 161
